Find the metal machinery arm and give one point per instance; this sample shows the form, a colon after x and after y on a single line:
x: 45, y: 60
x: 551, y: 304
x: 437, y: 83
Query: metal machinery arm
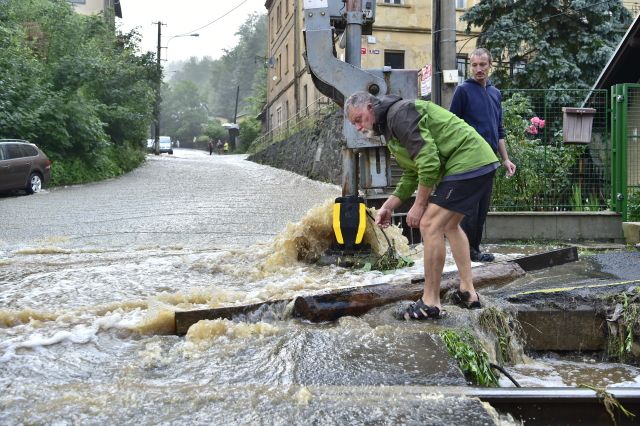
x: 333, y: 77
x: 338, y: 80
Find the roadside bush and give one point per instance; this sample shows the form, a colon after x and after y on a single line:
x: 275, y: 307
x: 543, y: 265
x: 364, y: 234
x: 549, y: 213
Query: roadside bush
x: 76, y: 88
x: 543, y: 177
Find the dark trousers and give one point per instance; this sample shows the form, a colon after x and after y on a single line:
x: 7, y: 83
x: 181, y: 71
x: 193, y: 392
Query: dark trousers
x: 473, y: 224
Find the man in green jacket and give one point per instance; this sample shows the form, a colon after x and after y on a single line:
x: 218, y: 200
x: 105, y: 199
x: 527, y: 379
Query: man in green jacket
x: 451, y: 167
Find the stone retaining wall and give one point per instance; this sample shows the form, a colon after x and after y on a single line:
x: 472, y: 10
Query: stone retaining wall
x: 313, y: 152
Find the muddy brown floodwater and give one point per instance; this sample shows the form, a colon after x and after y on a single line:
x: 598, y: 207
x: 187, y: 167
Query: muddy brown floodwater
x: 90, y: 277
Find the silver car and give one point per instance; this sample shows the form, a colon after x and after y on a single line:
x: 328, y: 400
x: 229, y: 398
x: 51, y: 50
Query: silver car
x: 23, y: 166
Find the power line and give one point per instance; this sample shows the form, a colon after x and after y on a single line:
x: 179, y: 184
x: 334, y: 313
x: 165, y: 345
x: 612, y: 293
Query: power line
x: 215, y: 20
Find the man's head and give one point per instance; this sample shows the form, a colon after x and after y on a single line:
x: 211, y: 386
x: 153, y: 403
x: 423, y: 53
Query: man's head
x: 480, y: 61
x: 358, y: 109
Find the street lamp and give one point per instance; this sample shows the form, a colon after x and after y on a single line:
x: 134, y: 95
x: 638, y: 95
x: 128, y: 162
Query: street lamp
x: 181, y: 35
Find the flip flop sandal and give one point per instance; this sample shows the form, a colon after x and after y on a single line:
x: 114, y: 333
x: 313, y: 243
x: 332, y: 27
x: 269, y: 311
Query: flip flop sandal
x: 486, y: 257
x: 461, y: 298
x: 419, y: 311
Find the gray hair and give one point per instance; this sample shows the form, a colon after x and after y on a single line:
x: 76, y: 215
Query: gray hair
x: 358, y: 100
x: 479, y: 51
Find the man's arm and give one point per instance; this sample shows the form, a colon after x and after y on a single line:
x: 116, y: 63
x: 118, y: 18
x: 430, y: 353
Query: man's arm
x: 383, y: 217
x: 502, y: 150
x: 419, y: 205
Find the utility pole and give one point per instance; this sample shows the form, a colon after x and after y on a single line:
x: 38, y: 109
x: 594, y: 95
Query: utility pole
x: 156, y: 110
x: 443, y: 60
x: 233, y: 132
x: 352, y: 54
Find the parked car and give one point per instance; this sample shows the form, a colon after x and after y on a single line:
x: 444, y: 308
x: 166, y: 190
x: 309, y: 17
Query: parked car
x: 23, y: 166
x: 165, y: 144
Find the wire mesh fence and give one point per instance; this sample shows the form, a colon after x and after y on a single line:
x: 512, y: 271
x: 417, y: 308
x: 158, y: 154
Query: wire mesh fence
x: 633, y: 153
x: 553, y: 175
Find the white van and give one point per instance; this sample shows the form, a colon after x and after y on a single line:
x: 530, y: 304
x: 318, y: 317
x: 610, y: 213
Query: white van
x: 165, y: 144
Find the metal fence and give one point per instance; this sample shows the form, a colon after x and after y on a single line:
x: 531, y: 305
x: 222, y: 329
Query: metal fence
x: 305, y: 118
x: 625, y: 117
x: 553, y: 175
x: 633, y: 154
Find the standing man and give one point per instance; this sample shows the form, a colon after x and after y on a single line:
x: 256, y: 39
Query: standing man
x: 440, y: 152
x: 210, y: 147
x: 478, y: 103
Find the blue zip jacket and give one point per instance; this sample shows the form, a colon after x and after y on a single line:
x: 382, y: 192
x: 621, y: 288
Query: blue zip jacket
x: 481, y: 108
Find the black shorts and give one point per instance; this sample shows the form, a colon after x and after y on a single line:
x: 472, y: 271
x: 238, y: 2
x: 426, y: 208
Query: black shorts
x: 462, y: 196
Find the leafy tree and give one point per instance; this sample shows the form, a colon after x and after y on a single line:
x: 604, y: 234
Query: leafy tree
x: 214, y: 83
x: 214, y: 131
x: 238, y: 68
x: 195, y: 70
x: 183, y: 113
x: 76, y: 88
x: 564, y: 43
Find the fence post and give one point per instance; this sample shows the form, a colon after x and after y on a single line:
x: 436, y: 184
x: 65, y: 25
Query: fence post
x: 618, y: 149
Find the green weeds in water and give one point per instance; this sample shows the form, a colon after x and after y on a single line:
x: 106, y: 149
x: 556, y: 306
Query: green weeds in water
x: 611, y: 404
x: 622, y: 322
x: 506, y: 329
x: 471, y: 356
x: 390, y: 260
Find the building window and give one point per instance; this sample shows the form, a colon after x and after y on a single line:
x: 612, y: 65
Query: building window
x: 394, y: 1
x: 461, y: 4
x: 305, y: 98
x: 286, y: 111
x: 278, y: 116
x: 394, y: 59
x: 78, y: 1
x: 286, y: 7
x: 286, y: 59
x: 279, y: 66
x: 462, y: 63
x: 278, y: 17
x: 273, y: 29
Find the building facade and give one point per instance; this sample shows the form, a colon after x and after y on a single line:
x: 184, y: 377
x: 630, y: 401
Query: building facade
x: 92, y: 7
x: 401, y: 38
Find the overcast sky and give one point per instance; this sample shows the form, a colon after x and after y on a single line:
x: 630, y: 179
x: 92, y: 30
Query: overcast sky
x: 184, y: 16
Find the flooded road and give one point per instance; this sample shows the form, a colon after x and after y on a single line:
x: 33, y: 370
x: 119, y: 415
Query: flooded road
x: 91, y: 275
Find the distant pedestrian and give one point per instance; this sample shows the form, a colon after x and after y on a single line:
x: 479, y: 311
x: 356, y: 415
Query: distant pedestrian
x: 210, y: 147
x: 219, y: 146
x: 226, y: 147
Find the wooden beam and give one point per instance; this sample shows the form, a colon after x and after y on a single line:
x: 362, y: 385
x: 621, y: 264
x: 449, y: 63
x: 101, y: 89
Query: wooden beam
x: 547, y: 259
x: 185, y: 319
x: 359, y: 300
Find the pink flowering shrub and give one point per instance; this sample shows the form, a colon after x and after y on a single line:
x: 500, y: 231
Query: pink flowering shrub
x: 536, y: 124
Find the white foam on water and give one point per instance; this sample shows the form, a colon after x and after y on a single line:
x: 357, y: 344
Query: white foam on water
x: 77, y: 334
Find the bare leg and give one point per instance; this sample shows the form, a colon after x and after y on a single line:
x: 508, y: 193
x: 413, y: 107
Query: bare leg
x: 433, y: 225
x: 460, y: 250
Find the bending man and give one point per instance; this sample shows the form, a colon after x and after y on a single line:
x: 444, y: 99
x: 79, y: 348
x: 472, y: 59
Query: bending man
x: 438, y: 152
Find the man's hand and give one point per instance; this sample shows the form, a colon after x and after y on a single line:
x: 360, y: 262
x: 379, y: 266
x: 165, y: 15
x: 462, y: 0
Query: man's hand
x: 383, y: 218
x: 511, y: 168
x: 415, y: 215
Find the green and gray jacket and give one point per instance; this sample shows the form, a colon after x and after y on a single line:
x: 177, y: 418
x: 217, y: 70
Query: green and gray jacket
x: 430, y: 144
